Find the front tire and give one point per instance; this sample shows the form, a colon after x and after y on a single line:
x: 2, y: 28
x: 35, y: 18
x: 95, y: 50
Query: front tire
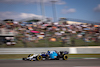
x: 39, y: 57
x: 24, y: 59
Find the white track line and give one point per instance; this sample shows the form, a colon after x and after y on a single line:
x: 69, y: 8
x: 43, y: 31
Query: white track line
x: 90, y: 58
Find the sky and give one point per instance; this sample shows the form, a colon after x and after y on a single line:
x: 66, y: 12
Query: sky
x: 77, y: 9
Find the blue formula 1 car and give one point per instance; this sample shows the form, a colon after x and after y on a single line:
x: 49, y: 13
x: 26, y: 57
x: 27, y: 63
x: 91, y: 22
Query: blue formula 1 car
x: 53, y: 55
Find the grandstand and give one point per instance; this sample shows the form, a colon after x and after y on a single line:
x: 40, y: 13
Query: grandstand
x: 82, y: 21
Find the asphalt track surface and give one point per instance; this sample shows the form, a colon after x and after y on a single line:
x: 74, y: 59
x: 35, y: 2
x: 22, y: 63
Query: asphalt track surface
x: 51, y: 63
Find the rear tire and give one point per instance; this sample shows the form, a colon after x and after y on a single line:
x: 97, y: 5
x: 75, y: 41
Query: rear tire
x: 65, y: 57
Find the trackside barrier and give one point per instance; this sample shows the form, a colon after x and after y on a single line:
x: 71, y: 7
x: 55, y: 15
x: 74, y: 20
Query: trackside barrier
x: 72, y: 50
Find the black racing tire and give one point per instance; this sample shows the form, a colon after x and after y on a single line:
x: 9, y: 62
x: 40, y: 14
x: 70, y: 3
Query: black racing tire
x: 39, y: 57
x: 65, y: 57
x: 24, y: 59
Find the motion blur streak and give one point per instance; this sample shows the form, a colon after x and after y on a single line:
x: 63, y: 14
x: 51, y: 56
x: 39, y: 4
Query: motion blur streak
x: 52, y: 63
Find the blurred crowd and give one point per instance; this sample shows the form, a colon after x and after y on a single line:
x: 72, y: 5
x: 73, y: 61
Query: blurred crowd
x: 67, y: 33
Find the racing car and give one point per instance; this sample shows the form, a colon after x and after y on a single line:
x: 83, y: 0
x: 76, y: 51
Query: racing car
x: 49, y: 55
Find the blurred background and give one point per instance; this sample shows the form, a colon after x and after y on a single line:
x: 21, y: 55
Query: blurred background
x: 66, y: 23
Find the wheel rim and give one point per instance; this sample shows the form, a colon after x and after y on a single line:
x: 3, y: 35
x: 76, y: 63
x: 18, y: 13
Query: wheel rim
x: 65, y: 57
x: 39, y: 58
